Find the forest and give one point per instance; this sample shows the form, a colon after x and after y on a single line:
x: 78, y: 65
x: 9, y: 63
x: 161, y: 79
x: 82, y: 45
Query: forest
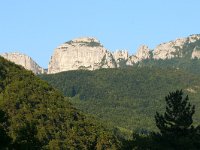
x: 126, y: 98
x: 34, y: 115
x: 107, y: 109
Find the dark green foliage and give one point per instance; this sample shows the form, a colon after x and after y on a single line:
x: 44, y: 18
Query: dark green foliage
x: 5, y: 140
x: 144, y: 142
x: 176, y: 129
x: 93, y: 44
x: 90, y: 44
x: 39, y: 117
x: 27, y: 138
x: 126, y: 98
x: 177, y: 119
x: 2, y: 76
x: 175, y: 126
x: 69, y: 42
x: 73, y: 91
x: 189, y: 65
x: 122, y: 63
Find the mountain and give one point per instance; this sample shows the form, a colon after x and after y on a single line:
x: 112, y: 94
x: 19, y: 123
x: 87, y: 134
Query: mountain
x: 182, y: 54
x: 127, y: 98
x: 23, y: 60
x: 182, y: 47
x: 39, y: 117
x: 81, y: 53
x: 89, y: 54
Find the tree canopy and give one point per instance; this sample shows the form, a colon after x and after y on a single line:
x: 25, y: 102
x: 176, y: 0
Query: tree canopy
x: 126, y: 98
x: 39, y: 117
x: 176, y: 128
x: 176, y: 124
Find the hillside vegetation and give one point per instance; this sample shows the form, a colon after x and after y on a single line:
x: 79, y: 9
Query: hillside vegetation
x: 36, y: 116
x: 126, y: 98
x: 188, y: 65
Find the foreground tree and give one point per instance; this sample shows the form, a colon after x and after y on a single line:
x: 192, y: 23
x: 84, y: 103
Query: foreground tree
x: 175, y: 125
x: 177, y: 120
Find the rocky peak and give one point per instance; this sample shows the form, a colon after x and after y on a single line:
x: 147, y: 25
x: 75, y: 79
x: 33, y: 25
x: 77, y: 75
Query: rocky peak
x: 81, y: 53
x: 173, y: 48
x: 120, y: 57
x: 23, y: 60
x: 193, y: 38
x: 168, y: 50
x: 120, y: 54
x: 143, y: 52
x: 88, y: 53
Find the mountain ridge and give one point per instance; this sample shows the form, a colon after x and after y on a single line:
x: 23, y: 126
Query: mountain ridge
x: 88, y: 53
x: 24, y: 60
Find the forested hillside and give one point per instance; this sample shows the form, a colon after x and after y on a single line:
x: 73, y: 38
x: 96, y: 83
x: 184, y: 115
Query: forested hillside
x: 189, y: 65
x: 36, y: 116
x: 126, y: 98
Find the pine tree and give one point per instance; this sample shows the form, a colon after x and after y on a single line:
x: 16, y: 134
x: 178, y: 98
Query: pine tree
x: 177, y: 120
x: 176, y: 129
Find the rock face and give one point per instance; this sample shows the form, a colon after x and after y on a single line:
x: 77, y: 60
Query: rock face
x: 120, y: 56
x: 80, y: 53
x: 196, y: 52
x: 24, y: 61
x: 89, y: 53
x: 143, y: 52
x: 168, y: 50
x: 173, y: 48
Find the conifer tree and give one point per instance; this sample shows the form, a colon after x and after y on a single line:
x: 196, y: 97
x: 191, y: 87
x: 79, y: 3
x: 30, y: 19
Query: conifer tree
x: 175, y: 125
x: 177, y: 120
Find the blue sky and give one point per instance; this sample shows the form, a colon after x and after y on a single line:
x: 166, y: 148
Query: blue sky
x: 37, y: 27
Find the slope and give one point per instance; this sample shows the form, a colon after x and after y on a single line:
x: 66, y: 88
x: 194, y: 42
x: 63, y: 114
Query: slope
x: 39, y: 117
x: 126, y: 98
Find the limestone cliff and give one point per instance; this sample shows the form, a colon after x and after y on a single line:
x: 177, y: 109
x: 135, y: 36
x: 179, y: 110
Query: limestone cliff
x: 81, y: 53
x: 24, y: 61
x: 120, y: 56
x: 88, y: 53
x: 142, y: 53
x: 196, y: 53
x: 177, y: 48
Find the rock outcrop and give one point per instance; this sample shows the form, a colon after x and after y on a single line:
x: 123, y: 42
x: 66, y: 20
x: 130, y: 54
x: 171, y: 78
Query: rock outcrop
x: 80, y: 53
x: 143, y: 52
x: 120, y: 56
x: 88, y: 53
x: 196, y: 53
x: 173, y: 48
x: 24, y: 61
